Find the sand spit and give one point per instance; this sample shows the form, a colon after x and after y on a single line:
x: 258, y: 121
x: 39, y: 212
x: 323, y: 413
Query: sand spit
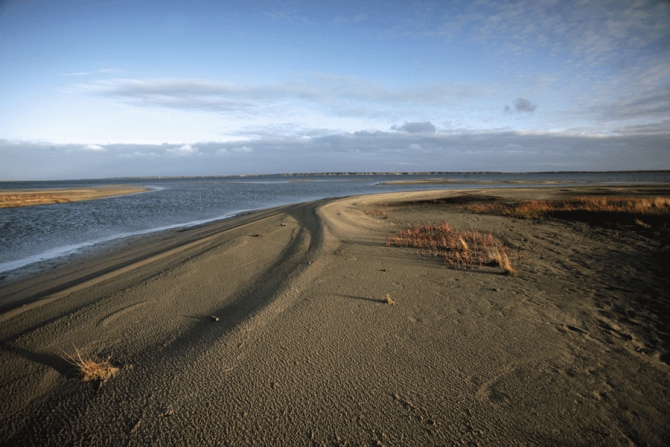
x: 17, y: 197
x: 224, y: 337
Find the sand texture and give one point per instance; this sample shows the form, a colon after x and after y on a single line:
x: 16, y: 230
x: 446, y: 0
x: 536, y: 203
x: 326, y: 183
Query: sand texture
x: 274, y: 329
x: 14, y: 198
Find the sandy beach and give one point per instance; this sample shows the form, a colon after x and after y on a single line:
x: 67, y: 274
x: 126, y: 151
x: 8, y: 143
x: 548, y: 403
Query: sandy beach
x: 21, y: 197
x: 274, y: 328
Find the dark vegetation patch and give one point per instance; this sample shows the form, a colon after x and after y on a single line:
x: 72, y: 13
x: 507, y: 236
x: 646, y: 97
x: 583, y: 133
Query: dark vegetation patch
x: 452, y: 200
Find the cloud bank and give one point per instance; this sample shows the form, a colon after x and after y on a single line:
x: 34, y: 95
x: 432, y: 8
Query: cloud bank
x: 352, y: 151
x: 345, y: 95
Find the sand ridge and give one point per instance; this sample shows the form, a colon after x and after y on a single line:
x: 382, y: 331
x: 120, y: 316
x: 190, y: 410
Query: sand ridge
x: 307, y: 352
x: 22, y: 197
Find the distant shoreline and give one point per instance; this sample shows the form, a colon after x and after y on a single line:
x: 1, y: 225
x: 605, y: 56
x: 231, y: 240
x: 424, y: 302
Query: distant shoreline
x: 344, y: 174
x: 398, y: 173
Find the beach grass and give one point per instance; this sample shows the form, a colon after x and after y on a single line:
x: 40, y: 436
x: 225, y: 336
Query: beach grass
x: 90, y: 369
x: 538, y: 209
x: 467, y: 249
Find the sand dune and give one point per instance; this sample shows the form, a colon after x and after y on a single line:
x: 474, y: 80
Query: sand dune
x: 573, y: 350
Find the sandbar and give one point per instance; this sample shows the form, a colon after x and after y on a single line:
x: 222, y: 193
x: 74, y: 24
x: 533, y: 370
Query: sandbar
x: 30, y: 197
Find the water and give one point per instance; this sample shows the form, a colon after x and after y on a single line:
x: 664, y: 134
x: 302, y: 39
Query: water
x: 37, y: 233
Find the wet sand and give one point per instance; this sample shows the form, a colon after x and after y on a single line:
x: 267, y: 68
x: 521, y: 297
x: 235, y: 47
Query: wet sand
x: 20, y: 197
x: 573, y: 350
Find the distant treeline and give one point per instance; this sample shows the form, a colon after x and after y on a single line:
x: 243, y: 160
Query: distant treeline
x: 305, y: 174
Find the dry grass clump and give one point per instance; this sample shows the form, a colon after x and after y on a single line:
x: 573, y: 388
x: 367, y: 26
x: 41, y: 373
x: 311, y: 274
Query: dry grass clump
x: 461, y: 249
x: 90, y: 369
x: 537, y: 209
x: 500, y: 258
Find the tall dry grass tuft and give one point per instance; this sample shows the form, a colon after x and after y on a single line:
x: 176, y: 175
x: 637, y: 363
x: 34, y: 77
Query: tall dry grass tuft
x: 90, y: 369
x: 501, y: 259
x: 537, y: 209
x: 461, y: 249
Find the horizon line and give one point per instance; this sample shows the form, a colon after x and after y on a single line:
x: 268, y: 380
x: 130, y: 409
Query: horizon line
x: 348, y: 173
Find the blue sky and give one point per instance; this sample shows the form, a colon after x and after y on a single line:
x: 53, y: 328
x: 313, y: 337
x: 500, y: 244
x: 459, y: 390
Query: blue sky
x: 142, y: 88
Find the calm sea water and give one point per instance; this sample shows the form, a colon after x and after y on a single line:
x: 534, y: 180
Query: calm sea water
x: 37, y: 233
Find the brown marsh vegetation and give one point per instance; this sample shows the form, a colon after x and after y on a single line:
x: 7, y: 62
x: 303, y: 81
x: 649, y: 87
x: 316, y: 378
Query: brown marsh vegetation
x: 625, y: 208
x: 14, y: 200
x: 467, y: 249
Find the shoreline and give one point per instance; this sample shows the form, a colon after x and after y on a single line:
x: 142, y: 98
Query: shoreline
x: 22, y: 267
x: 53, y: 255
x: 273, y: 328
x: 83, y: 260
x: 98, y: 251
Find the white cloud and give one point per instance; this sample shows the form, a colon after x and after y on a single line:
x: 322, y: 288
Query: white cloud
x: 184, y: 150
x: 324, y: 99
x: 655, y: 103
x: 283, y: 129
x: 138, y: 154
x: 242, y: 150
x: 94, y: 147
x: 607, y: 59
x: 603, y: 32
x: 343, y: 95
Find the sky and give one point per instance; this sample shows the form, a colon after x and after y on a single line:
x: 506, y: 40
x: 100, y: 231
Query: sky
x: 97, y: 89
